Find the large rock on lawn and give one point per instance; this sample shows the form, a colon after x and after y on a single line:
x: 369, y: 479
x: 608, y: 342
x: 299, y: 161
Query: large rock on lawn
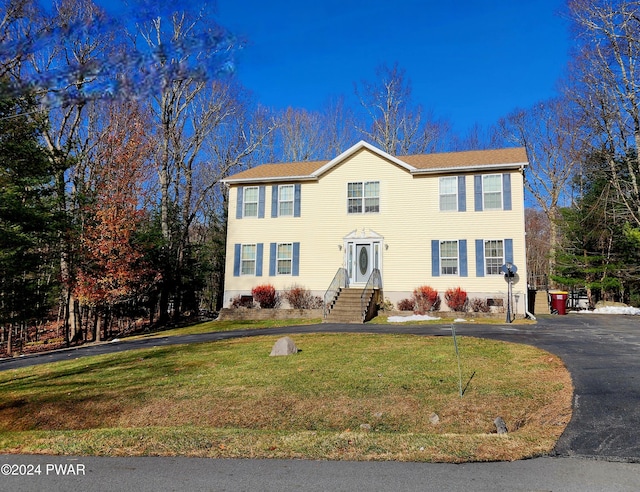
x: 284, y: 346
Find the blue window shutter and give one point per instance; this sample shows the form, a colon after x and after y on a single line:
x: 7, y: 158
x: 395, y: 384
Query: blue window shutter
x: 295, y: 268
x: 239, y: 202
x: 506, y: 191
x: 236, y: 260
x: 435, y: 258
x: 296, y: 201
x: 261, y: 196
x: 477, y: 192
x: 259, y: 255
x: 508, y: 251
x: 273, y: 252
x: 462, y: 194
x: 462, y: 252
x: 274, y: 201
x: 479, y: 258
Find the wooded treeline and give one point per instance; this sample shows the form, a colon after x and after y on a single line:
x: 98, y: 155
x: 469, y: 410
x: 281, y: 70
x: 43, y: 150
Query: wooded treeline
x: 116, y: 132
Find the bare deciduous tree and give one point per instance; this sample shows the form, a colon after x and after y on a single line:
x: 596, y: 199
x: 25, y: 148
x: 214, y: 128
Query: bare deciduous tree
x: 394, y: 123
x: 547, y: 131
x: 606, y: 87
x: 186, y: 51
x: 339, y: 123
x: 18, y: 34
x: 63, y: 73
x: 302, y: 135
x: 479, y: 138
x: 537, y: 226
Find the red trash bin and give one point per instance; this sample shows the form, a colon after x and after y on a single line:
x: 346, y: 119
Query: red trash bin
x: 559, y: 301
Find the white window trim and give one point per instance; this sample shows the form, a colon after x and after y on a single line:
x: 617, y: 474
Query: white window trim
x: 486, y: 257
x: 441, y: 194
x: 245, y: 201
x: 484, y: 202
x: 292, y: 201
x: 242, y: 260
x: 289, y: 259
x: 457, y: 257
x: 363, y: 197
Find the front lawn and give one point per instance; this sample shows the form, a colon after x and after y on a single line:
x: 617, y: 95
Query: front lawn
x: 343, y: 396
x: 228, y: 325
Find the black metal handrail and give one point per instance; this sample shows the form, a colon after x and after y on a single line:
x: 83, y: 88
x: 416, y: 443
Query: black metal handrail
x: 374, y: 282
x: 339, y: 281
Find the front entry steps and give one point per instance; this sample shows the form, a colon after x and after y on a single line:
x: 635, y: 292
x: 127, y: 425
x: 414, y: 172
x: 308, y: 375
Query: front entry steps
x: 347, y: 306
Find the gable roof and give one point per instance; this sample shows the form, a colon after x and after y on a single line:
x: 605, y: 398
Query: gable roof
x: 448, y: 162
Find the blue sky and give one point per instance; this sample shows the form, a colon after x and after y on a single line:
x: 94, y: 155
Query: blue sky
x: 468, y: 61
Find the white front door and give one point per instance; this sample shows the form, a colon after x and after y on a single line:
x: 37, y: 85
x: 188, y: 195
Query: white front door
x: 363, y: 263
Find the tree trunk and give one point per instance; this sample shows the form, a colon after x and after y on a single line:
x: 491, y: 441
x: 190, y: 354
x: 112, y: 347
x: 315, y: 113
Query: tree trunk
x: 95, y: 331
x: 10, y: 341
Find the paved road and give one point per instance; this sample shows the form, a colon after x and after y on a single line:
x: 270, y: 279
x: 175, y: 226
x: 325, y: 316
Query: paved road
x: 155, y: 474
x: 601, y: 352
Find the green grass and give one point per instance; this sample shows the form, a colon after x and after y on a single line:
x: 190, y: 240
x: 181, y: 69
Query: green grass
x: 219, y: 326
x: 355, y: 396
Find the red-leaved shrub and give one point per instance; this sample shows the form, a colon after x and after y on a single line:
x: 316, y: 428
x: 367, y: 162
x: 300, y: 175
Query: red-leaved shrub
x: 406, y: 305
x: 300, y: 298
x: 266, y: 296
x: 425, y: 299
x: 456, y: 299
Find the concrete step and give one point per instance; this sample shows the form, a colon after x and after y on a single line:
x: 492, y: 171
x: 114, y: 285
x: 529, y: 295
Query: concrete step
x: 347, y: 308
x: 541, y: 305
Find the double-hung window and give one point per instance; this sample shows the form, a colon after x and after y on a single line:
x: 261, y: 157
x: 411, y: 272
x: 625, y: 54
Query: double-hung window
x: 449, y: 193
x: 285, y: 200
x: 492, y: 191
x: 449, y: 257
x: 285, y: 258
x: 248, y: 259
x: 363, y: 197
x: 354, y: 198
x: 250, y: 201
x: 372, y: 197
x: 493, y: 256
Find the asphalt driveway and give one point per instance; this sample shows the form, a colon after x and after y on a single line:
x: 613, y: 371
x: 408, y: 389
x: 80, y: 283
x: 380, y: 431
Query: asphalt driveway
x: 602, y: 353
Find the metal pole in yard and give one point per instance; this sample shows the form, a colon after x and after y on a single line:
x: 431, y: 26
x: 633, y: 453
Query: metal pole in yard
x: 455, y: 344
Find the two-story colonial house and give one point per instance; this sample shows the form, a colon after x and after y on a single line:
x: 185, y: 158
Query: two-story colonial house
x: 444, y: 220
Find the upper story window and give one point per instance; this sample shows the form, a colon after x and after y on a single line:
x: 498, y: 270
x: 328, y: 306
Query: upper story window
x: 449, y: 257
x: 493, y: 256
x: 285, y: 200
x: 363, y: 197
x: 250, y: 201
x: 492, y: 191
x: 448, y: 194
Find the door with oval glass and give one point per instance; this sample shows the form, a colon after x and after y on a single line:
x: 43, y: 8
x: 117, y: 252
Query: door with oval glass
x: 363, y: 263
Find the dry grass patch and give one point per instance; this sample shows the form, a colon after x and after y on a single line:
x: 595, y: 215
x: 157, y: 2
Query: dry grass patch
x: 342, y: 397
